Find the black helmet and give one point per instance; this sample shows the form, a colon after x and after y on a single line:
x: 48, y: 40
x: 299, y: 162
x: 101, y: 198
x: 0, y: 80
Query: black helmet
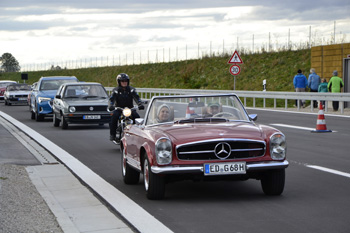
x: 123, y: 77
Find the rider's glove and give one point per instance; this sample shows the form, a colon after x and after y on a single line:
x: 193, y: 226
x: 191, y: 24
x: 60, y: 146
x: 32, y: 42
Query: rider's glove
x: 111, y: 108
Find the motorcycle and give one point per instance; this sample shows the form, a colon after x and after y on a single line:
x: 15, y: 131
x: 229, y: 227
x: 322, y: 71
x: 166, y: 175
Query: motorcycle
x: 124, y: 119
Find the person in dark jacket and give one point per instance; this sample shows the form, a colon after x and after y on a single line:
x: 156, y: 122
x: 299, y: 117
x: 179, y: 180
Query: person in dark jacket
x: 300, y: 85
x: 122, y: 96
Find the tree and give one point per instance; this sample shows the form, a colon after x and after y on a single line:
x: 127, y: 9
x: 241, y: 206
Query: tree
x: 9, y: 63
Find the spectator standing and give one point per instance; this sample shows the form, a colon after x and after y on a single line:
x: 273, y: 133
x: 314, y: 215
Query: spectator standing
x: 313, y: 83
x: 300, y: 85
x: 323, y: 87
x: 335, y: 84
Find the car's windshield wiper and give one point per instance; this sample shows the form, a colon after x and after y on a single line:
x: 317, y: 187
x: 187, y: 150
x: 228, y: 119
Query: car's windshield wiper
x: 71, y: 97
x: 91, y: 96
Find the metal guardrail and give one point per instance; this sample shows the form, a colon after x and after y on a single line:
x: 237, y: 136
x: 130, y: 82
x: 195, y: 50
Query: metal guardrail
x: 147, y: 93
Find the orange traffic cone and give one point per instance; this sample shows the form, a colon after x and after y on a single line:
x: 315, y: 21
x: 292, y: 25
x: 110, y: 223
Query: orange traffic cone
x: 321, y: 122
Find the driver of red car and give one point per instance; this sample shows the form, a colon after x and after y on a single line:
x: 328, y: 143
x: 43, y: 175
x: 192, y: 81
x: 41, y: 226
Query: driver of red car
x: 213, y: 109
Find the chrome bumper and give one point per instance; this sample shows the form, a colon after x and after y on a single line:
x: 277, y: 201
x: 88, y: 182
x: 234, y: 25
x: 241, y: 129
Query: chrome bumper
x: 200, y: 169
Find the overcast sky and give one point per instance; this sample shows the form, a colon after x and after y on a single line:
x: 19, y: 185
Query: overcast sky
x: 42, y: 31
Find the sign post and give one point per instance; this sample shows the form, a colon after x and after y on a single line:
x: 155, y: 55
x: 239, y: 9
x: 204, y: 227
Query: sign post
x: 235, y: 69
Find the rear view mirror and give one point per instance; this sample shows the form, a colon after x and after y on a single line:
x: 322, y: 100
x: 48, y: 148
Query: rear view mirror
x: 196, y: 104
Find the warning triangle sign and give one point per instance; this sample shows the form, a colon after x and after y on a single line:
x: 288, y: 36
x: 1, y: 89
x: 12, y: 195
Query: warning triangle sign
x: 235, y: 59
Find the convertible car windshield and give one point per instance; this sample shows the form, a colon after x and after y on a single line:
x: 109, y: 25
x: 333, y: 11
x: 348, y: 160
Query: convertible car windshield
x: 189, y: 109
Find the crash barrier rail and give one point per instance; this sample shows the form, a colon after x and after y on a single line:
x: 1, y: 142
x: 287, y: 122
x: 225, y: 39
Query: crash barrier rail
x: 257, y: 98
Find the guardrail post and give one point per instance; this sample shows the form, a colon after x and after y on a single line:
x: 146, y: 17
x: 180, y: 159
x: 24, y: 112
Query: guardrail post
x: 342, y: 107
x: 285, y: 104
x: 274, y: 103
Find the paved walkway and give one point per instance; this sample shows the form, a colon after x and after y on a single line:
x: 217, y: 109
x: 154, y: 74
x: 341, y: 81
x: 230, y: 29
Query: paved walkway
x: 38, y: 194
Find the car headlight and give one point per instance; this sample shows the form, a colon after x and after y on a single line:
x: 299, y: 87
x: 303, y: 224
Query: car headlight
x: 164, y: 152
x: 278, y: 146
x: 71, y: 109
x: 43, y: 99
x: 127, y: 112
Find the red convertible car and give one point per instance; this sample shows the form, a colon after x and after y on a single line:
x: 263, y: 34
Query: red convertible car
x: 201, y: 137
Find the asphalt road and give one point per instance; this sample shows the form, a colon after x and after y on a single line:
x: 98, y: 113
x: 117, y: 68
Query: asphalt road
x: 314, y: 200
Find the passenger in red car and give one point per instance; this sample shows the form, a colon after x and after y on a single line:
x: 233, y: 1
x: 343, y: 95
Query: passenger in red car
x: 163, y: 114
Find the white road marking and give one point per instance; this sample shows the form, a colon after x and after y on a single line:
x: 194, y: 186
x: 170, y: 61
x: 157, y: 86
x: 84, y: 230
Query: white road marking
x: 296, y: 127
x: 293, y: 127
x: 329, y: 170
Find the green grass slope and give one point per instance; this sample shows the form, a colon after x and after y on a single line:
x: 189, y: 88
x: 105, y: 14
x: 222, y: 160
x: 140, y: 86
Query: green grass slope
x: 278, y: 68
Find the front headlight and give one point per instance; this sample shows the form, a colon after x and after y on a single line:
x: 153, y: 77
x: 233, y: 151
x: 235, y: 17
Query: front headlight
x: 164, y: 152
x: 43, y: 99
x: 278, y: 146
x: 72, y: 109
x: 126, y: 112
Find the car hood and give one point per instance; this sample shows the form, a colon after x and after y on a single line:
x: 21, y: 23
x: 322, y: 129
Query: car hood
x: 18, y: 92
x: 184, y: 133
x: 84, y: 102
x: 49, y: 93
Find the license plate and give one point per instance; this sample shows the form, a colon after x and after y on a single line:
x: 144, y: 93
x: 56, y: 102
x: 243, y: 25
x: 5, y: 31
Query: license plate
x: 20, y: 99
x: 224, y: 168
x: 91, y: 117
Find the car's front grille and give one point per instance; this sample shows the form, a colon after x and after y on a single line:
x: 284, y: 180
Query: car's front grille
x: 20, y: 96
x: 221, y: 149
x: 88, y: 108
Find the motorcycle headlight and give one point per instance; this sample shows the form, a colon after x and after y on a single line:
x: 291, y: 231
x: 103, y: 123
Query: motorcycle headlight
x: 278, y: 146
x: 127, y: 112
x: 43, y: 99
x: 72, y: 109
x: 164, y: 152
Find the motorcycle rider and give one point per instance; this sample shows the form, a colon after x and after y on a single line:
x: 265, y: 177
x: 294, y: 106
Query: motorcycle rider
x: 122, y: 96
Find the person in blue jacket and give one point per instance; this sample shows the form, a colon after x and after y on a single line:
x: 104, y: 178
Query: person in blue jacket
x: 300, y: 85
x: 313, y: 83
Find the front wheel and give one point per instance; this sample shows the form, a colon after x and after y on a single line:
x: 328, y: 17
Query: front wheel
x: 64, y: 123
x: 32, y: 113
x: 154, y: 184
x: 273, y: 181
x: 130, y: 176
x: 56, y: 122
x: 39, y: 117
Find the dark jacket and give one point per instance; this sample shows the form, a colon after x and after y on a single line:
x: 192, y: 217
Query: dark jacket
x: 124, y: 97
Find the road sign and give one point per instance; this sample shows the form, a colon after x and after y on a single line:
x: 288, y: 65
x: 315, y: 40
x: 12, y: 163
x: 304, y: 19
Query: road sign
x: 235, y: 70
x: 235, y: 59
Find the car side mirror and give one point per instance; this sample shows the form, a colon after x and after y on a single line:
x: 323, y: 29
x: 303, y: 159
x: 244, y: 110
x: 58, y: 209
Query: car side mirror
x: 253, y: 117
x: 58, y: 97
x: 139, y: 121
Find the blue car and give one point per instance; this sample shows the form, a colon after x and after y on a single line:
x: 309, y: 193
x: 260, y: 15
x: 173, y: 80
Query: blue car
x: 42, y: 95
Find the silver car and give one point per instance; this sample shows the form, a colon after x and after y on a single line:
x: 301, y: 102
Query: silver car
x: 80, y: 103
x: 16, y: 94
